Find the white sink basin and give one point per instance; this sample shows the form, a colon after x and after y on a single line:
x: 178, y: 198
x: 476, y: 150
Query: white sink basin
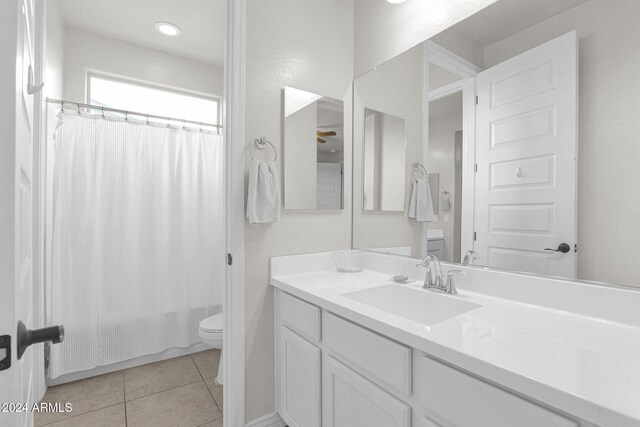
x: 419, y: 305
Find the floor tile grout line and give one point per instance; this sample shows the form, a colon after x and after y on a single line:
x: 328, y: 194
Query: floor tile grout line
x: 214, y: 399
x: 153, y: 363
x: 124, y: 392
x: 194, y: 362
x: 79, y: 415
x: 199, y: 373
x: 172, y: 388
x: 210, y: 421
x: 208, y: 389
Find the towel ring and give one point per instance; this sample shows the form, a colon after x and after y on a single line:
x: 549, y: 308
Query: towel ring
x: 261, y: 144
x: 417, y: 166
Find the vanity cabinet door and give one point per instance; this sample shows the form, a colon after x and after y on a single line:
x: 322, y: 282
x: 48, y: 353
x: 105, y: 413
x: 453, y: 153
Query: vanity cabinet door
x: 299, y: 395
x: 350, y: 400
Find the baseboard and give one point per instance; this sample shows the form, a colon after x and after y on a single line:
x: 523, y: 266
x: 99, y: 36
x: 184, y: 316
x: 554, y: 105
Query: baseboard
x: 271, y: 420
x: 138, y: 361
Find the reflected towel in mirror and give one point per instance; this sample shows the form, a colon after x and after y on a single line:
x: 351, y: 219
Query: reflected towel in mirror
x: 420, y: 204
x: 263, y: 199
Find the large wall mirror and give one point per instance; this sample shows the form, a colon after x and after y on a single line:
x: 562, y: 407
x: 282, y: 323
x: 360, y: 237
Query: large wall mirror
x: 526, y: 116
x: 313, y: 151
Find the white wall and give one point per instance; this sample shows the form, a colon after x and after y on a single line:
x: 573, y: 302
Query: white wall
x: 445, y: 118
x: 609, y: 129
x: 306, y: 44
x: 86, y: 51
x: 54, y: 61
x: 383, y: 30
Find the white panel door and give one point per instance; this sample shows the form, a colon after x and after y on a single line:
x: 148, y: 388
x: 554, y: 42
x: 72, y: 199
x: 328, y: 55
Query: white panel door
x: 526, y: 128
x: 300, y: 378
x: 329, y: 186
x: 350, y: 400
x: 16, y: 202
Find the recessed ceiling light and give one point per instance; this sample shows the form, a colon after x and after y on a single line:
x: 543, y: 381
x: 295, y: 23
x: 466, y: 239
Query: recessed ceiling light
x: 334, y: 151
x: 168, y: 29
x: 396, y: 1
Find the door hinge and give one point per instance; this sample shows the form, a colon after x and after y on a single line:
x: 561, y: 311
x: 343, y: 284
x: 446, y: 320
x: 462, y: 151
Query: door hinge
x: 229, y: 259
x: 5, y: 352
x: 476, y: 99
x: 476, y: 168
x: 475, y: 235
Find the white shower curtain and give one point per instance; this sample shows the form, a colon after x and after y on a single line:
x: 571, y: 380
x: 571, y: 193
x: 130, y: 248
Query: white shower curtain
x: 137, y: 239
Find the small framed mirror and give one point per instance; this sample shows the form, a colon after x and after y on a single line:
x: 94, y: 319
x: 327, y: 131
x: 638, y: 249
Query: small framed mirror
x: 313, y: 151
x: 385, y: 153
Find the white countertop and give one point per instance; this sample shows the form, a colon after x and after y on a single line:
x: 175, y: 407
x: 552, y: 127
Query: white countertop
x: 585, y: 366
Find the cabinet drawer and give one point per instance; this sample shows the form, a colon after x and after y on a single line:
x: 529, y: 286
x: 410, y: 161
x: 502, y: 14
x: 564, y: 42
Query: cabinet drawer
x: 378, y: 358
x: 453, y: 398
x: 350, y: 400
x: 300, y: 316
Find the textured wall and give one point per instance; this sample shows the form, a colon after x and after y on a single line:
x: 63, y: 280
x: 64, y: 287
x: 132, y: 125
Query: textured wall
x: 308, y: 45
x: 89, y: 52
x: 384, y: 30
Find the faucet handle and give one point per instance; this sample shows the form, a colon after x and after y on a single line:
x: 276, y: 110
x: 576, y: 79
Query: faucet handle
x: 470, y: 257
x: 450, y: 284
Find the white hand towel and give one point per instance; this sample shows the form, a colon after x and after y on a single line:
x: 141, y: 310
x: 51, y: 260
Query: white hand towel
x: 420, y: 204
x: 263, y: 200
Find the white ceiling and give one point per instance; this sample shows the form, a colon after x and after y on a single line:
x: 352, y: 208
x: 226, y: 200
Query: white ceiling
x: 203, y: 24
x: 499, y: 21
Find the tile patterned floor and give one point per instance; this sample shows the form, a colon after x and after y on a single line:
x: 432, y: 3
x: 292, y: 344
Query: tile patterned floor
x: 179, y: 392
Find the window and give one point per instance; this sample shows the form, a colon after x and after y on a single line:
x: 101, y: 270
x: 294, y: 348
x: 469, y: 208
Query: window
x: 153, y: 100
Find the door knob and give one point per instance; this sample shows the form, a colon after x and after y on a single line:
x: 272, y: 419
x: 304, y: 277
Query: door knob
x: 562, y: 247
x: 26, y: 337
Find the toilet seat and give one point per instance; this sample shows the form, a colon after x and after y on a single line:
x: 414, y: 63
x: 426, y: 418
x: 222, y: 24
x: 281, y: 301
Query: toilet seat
x: 213, y: 323
x: 210, y: 330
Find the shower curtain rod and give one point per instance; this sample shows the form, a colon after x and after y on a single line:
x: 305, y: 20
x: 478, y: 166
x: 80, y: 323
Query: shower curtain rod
x: 127, y: 112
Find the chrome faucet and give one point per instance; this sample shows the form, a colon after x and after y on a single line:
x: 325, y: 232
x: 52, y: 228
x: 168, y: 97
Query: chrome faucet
x: 470, y: 257
x: 433, y: 279
x: 450, y: 284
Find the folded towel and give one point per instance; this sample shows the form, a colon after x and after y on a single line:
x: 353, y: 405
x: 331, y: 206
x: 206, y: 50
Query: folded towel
x: 445, y: 201
x: 420, y: 204
x: 263, y: 200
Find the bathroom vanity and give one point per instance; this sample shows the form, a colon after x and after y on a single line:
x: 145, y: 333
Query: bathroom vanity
x: 359, y: 350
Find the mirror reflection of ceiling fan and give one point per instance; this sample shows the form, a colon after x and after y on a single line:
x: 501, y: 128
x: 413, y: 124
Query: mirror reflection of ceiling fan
x: 321, y: 134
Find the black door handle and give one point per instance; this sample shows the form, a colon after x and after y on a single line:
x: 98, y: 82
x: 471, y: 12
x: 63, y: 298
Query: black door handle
x: 26, y: 337
x: 562, y: 247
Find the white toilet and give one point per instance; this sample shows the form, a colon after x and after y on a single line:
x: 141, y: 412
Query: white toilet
x: 210, y: 331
